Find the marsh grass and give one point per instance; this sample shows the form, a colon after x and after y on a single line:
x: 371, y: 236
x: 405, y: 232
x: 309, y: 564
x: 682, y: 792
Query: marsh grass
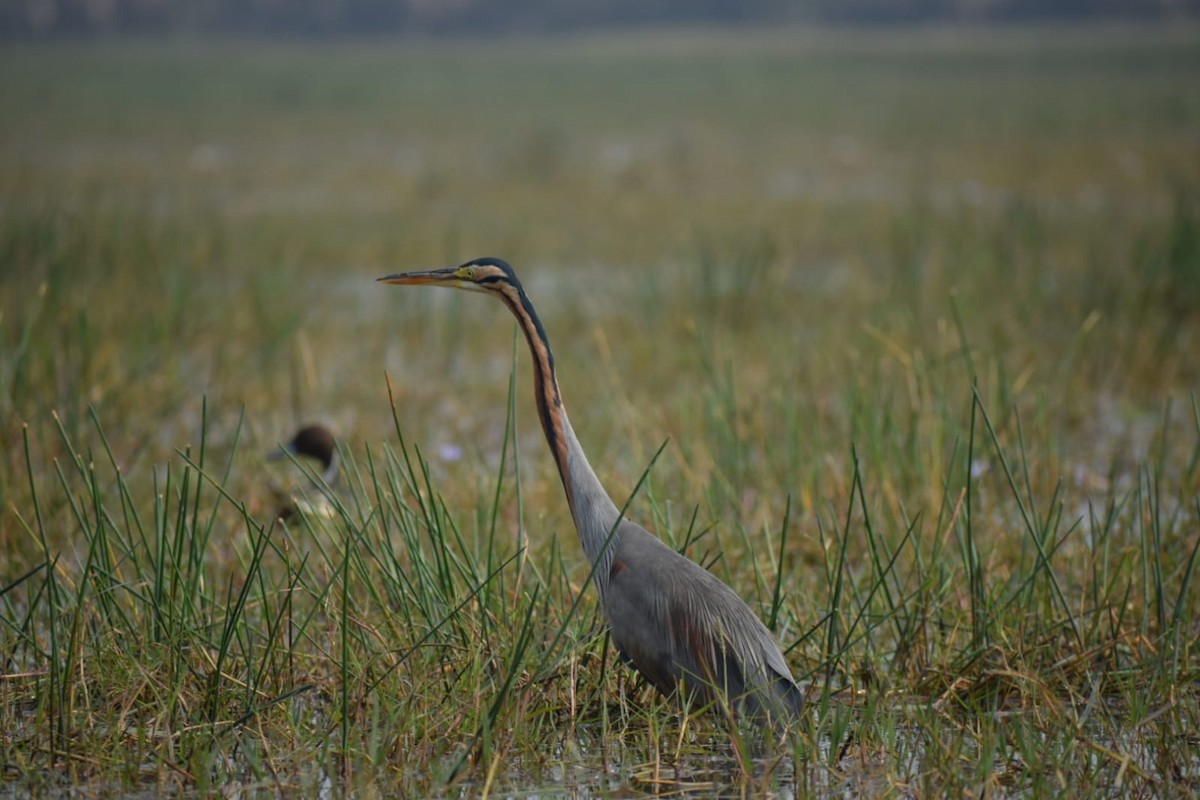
x: 912, y: 316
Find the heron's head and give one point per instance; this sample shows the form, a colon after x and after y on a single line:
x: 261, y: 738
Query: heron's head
x: 481, y: 275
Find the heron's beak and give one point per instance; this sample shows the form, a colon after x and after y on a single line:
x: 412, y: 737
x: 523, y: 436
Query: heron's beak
x: 436, y: 277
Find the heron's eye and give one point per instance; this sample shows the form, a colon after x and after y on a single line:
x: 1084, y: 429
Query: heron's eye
x: 466, y: 273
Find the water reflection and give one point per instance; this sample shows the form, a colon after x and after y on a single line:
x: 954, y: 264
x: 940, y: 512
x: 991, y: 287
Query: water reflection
x: 676, y: 762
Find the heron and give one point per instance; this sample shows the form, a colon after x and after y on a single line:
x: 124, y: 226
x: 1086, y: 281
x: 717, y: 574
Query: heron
x: 314, y: 442
x: 683, y: 629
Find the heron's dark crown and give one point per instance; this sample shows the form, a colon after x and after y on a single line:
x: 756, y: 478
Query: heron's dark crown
x: 491, y: 262
x: 509, y: 275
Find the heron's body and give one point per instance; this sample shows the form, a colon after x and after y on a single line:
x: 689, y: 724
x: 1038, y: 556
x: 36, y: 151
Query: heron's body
x: 677, y: 623
x: 700, y: 633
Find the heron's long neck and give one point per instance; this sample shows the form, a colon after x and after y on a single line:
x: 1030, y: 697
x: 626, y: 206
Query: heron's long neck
x: 594, y: 512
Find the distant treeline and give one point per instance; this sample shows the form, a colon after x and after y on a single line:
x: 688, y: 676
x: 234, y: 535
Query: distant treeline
x: 315, y: 18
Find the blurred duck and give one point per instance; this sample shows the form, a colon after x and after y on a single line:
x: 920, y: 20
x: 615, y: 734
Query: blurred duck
x: 314, y: 442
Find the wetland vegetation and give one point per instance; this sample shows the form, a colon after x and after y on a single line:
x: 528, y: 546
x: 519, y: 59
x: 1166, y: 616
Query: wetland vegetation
x: 917, y: 316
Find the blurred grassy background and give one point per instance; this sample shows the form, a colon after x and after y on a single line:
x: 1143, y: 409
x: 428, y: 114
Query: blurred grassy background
x: 775, y: 220
x: 769, y: 247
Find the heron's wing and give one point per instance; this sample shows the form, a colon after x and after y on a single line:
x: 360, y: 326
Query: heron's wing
x: 674, y: 621
x: 637, y: 611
